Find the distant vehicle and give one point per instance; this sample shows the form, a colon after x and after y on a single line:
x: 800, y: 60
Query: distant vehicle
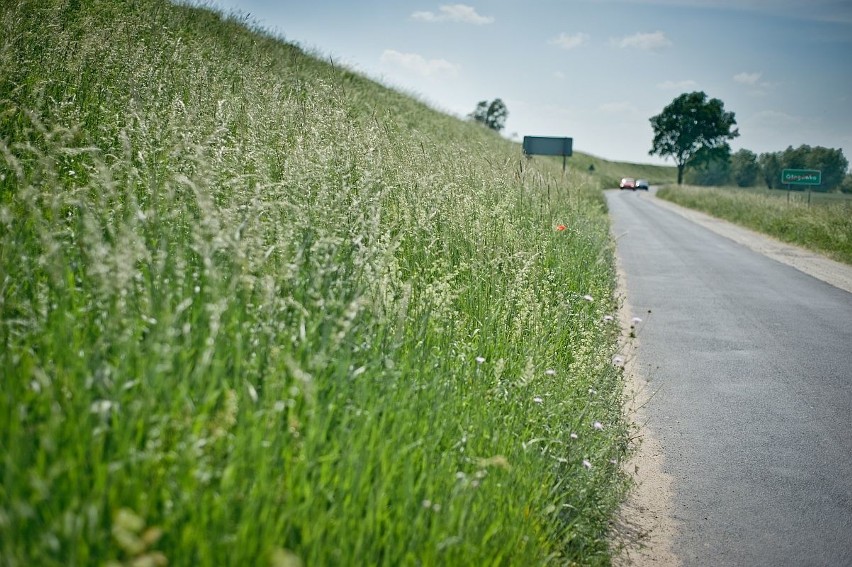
x: 627, y: 183
x: 642, y: 184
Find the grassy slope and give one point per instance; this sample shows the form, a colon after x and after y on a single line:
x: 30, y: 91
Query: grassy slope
x: 254, y: 308
x: 824, y: 227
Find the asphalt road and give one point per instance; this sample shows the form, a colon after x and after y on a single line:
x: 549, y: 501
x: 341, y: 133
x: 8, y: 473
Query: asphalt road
x: 750, y: 366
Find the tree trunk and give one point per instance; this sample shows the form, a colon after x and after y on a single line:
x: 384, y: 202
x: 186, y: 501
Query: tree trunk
x: 680, y: 168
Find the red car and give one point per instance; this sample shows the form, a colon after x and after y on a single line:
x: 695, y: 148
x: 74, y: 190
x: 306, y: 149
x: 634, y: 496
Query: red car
x: 627, y: 183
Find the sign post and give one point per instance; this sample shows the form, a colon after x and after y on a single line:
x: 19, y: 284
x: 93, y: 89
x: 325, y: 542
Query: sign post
x: 544, y: 146
x: 807, y: 177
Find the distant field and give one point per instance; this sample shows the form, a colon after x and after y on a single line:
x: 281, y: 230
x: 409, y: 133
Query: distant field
x: 819, y: 221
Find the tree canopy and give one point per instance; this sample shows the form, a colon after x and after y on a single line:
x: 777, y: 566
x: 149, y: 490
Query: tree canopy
x: 829, y: 161
x: 693, y: 130
x: 744, y: 168
x: 491, y: 114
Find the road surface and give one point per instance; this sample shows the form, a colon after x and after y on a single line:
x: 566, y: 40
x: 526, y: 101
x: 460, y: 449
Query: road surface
x: 749, y: 364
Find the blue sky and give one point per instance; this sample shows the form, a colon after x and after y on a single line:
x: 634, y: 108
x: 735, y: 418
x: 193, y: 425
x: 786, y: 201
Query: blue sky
x: 596, y: 70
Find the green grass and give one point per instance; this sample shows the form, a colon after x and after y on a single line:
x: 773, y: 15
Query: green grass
x: 258, y: 310
x: 824, y: 225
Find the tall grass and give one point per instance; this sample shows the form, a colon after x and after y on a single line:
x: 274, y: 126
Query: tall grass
x: 258, y: 310
x: 825, y: 227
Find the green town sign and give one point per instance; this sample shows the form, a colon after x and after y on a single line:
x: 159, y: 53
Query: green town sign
x: 801, y: 177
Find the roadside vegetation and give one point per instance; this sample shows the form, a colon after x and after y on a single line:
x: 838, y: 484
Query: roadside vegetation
x: 609, y: 173
x: 820, y: 221
x: 258, y: 310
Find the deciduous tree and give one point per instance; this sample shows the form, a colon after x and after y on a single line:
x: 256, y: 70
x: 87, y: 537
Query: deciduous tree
x: 770, y: 169
x: 693, y: 130
x: 744, y: 168
x: 491, y: 114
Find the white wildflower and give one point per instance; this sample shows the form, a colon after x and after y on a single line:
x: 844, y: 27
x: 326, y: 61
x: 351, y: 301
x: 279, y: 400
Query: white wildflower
x: 598, y: 425
x: 252, y: 392
x: 103, y: 407
x: 587, y: 464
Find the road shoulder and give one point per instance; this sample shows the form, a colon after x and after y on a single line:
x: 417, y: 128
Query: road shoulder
x: 834, y: 273
x: 645, y: 526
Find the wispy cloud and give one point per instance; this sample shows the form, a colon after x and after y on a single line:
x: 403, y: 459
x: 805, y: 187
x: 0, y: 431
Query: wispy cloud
x: 648, y: 41
x: 750, y: 79
x: 678, y: 85
x: 418, y: 64
x: 756, y: 87
x: 461, y: 13
x: 568, y: 41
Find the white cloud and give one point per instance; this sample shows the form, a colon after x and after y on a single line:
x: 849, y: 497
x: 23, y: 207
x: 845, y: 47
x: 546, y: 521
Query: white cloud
x: 419, y: 64
x: 678, y: 85
x: 747, y: 78
x: 461, y: 13
x: 559, y: 75
x: 647, y: 41
x: 568, y: 41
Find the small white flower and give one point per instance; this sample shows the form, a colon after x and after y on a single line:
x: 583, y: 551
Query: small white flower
x: 251, y: 392
x: 427, y: 503
x: 550, y: 372
x: 480, y: 360
x: 538, y: 400
x: 573, y: 436
x: 588, y: 298
x: 592, y: 391
x: 598, y: 425
x: 587, y: 464
x: 102, y: 407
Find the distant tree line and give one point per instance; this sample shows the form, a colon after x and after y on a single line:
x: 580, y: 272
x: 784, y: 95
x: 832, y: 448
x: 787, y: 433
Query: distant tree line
x: 694, y: 131
x: 744, y: 168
